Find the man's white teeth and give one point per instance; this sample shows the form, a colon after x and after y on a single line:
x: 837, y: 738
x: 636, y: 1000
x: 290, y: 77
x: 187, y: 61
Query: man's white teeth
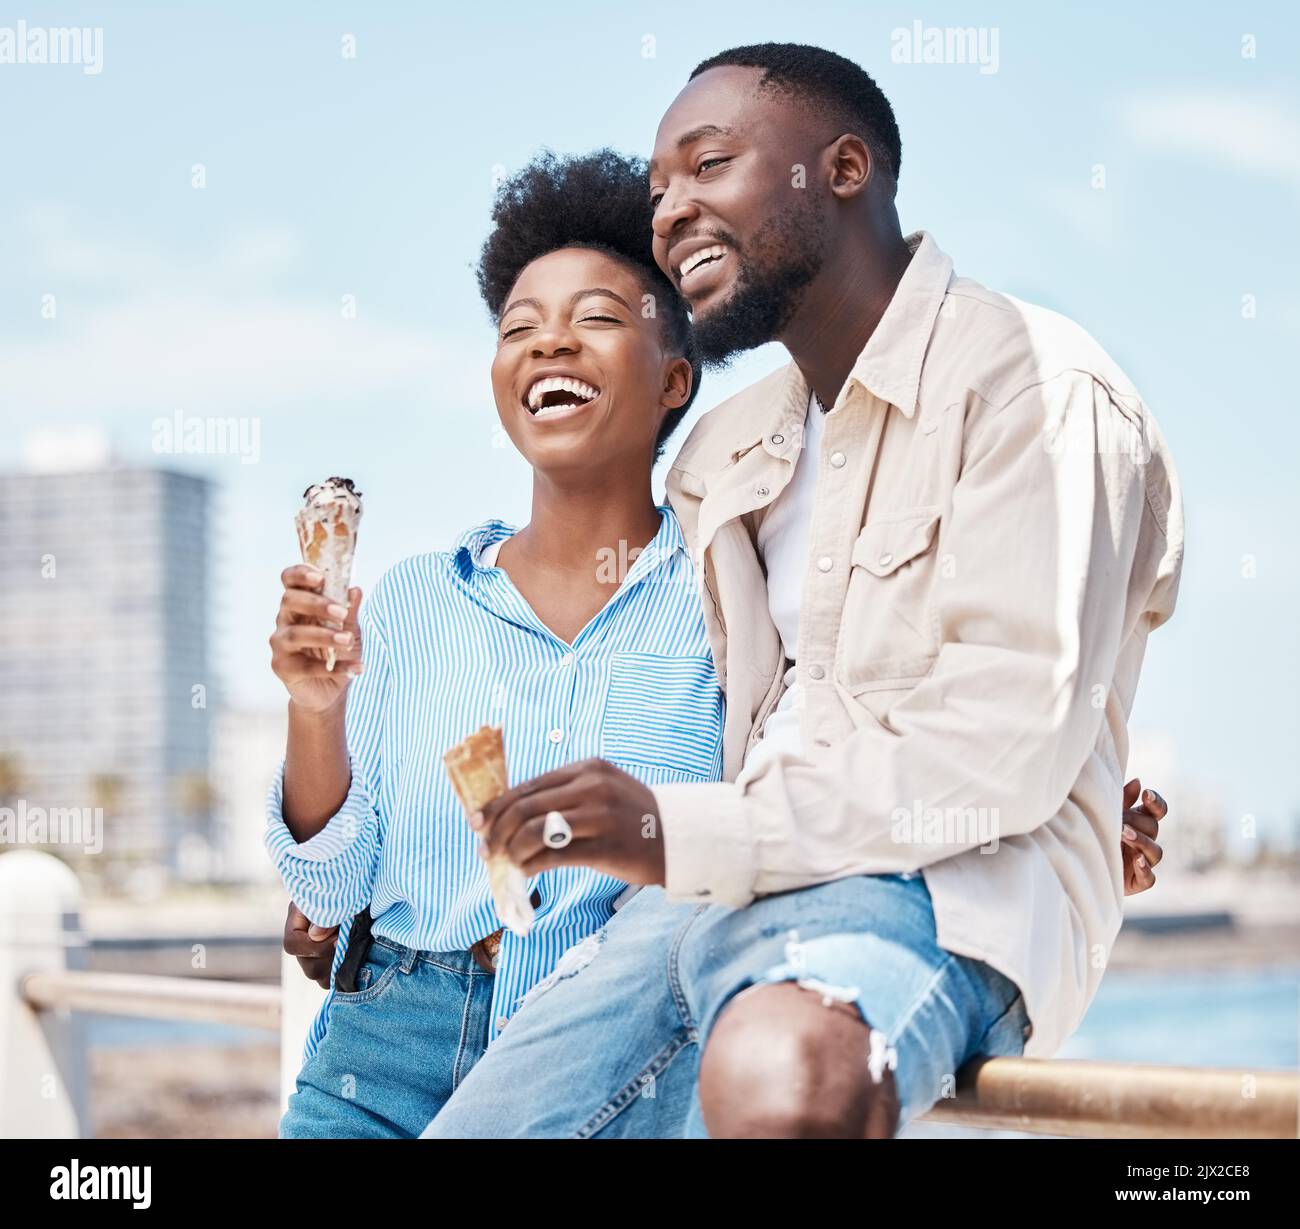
x: 558, y: 384
x: 695, y: 259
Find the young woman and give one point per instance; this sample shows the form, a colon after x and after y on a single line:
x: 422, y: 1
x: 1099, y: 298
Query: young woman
x: 580, y: 634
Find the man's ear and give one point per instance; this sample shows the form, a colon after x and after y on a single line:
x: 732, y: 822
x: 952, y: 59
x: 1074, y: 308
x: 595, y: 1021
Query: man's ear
x: 678, y: 379
x: 852, y: 166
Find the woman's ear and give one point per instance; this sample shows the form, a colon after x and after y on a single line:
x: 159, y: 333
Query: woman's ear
x: 678, y: 379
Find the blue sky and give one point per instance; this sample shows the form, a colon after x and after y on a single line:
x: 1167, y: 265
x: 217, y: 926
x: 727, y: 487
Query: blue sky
x: 372, y: 177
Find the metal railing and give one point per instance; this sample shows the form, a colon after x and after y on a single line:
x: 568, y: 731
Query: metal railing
x: 1042, y: 1096
x: 156, y: 998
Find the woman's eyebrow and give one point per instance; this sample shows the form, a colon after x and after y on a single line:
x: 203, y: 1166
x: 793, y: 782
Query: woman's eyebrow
x: 509, y: 307
x: 599, y: 290
x: 581, y: 294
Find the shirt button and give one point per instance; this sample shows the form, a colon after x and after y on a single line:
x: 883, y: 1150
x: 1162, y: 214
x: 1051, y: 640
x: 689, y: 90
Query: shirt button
x: 837, y: 460
x: 825, y: 563
x: 886, y: 559
x: 761, y: 492
x: 567, y: 659
x: 556, y: 736
x: 816, y: 672
x: 778, y: 439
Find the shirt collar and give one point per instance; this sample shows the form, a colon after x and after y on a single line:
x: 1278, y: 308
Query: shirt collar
x: 470, y: 545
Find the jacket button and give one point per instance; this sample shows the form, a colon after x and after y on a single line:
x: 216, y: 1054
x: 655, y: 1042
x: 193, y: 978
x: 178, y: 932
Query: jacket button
x: 761, y: 492
x: 837, y: 460
x: 825, y: 563
x: 778, y: 439
x: 886, y: 559
x: 816, y: 672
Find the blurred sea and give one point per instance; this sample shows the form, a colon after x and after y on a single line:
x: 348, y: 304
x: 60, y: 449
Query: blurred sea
x: 1221, y: 1018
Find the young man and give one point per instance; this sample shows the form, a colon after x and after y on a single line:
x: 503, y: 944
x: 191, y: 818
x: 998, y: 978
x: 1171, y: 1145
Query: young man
x: 930, y: 552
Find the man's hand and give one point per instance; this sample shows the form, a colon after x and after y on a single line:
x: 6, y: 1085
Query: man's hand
x: 1137, y: 840
x: 614, y: 818
x: 312, y: 945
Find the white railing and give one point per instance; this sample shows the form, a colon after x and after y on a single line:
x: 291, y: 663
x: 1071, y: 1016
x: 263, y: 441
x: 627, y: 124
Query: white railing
x: 42, y: 1055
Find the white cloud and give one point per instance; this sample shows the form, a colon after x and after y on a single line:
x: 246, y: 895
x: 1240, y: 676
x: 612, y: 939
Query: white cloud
x: 1248, y: 133
x: 202, y: 354
x: 219, y: 334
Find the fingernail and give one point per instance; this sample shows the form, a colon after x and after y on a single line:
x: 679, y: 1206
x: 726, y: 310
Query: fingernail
x: 335, y: 611
x: 342, y: 637
x: 1140, y: 862
x: 1129, y: 834
x: 316, y: 932
x: 1149, y: 795
x: 482, y: 848
x: 476, y: 820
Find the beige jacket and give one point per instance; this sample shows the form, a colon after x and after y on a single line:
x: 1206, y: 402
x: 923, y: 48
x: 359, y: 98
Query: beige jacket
x: 997, y: 527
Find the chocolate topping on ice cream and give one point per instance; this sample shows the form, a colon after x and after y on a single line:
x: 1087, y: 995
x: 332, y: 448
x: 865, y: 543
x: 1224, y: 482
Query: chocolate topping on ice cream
x: 333, y: 489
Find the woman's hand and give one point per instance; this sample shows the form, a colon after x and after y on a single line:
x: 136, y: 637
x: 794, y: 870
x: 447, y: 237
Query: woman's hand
x: 299, y: 641
x: 1137, y: 839
x: 312, y: 946
x: 614, y: 817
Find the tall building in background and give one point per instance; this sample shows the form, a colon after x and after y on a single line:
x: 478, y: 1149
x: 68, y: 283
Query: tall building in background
x: 105, y: 693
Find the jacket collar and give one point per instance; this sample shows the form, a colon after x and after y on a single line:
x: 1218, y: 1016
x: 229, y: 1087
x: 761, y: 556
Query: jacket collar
x: 890, y: 363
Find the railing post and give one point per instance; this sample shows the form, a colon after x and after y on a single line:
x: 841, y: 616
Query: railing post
x: 42, y: 1054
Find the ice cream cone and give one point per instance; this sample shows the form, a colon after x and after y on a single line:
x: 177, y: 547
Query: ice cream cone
x: 477, y: 767
x: 327, y: 535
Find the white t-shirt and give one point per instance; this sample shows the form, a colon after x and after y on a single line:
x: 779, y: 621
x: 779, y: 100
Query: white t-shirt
x: 783, y: 544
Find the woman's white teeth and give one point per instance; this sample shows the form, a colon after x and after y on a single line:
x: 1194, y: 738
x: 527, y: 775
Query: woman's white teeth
x: 695, y: 259
x: 560, y: 384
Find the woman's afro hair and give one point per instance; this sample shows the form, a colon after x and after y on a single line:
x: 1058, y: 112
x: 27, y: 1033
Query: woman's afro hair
x: 600, y: 201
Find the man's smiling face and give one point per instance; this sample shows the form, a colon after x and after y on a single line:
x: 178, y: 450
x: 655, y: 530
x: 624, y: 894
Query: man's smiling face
x: 734, y: 229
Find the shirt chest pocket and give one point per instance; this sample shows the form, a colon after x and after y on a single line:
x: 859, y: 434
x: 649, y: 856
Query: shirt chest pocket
x: 890, y: 633
x: 663, y: 717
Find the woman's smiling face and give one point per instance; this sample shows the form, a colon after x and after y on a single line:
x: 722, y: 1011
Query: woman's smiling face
x: 581, y: 376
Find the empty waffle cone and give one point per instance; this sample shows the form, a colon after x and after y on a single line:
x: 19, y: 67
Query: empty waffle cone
x: 477, y: 767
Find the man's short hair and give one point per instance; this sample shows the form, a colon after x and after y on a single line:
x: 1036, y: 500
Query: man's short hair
x: 830, y: 84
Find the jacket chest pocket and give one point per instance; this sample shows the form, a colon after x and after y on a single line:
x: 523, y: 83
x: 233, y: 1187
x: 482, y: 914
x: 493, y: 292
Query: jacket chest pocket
x: 890, y: 633
x: 663, y: 713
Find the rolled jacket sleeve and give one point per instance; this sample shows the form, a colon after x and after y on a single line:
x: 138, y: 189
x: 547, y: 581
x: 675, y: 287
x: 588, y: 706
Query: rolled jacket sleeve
x: 330, y: 876
x: 1042, y: 533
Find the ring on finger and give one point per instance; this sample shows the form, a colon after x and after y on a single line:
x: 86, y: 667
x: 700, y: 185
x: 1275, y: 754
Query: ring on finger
x: 556, y: 832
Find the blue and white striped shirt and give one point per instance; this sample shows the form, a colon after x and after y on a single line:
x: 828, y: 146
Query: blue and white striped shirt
x: 451, y: 645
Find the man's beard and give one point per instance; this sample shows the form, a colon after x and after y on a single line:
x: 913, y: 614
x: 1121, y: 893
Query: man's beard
x: 778, y: 264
